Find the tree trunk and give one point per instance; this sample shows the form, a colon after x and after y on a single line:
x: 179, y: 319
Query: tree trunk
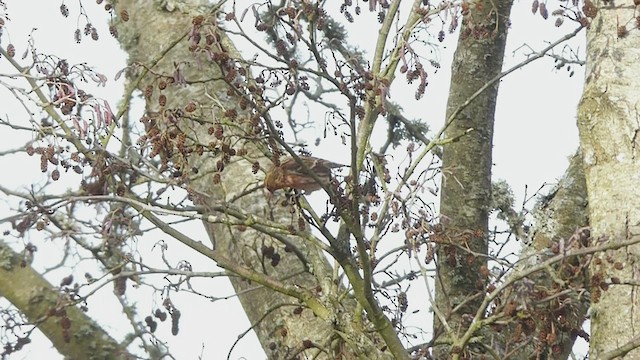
x: 72, y: 332
x: 466, y: 187
x: 282, y: 330
x: 557, y: 216
x: 608, y: 121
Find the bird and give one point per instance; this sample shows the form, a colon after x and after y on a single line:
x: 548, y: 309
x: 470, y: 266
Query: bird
x: 289, y: 174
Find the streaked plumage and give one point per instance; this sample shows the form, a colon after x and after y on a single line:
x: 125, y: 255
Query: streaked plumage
x: 291, y: 174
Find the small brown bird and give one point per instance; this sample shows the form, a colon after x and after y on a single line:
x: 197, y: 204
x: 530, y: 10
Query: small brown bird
x: 291, y: 174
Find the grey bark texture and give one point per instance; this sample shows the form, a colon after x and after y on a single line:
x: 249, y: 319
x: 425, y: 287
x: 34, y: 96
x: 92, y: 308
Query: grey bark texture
x: 557, y: 217
x: 44, y: 305
x: 466, y: 187
x: 609, y: 124
x: 153, y: 27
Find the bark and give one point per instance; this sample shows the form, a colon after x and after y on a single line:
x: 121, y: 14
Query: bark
x: 609, y: 123
x: 557, y: 217
x: 42, y: 304
x: 466, y: 188
x: 335, y: 326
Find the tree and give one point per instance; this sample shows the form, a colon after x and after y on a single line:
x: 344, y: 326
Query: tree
x: 466, y: 187
x: 608, y: 125
x: 312, y: 283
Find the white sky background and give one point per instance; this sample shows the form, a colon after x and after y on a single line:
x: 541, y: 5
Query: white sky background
x: 535, y: 133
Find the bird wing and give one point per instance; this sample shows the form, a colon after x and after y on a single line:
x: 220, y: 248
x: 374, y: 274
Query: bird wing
x: 319, y: 166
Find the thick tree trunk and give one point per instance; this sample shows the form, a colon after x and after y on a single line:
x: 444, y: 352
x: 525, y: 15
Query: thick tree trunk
x: 466, y: 188
x: 281, y: 329
x: 609, y: 125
